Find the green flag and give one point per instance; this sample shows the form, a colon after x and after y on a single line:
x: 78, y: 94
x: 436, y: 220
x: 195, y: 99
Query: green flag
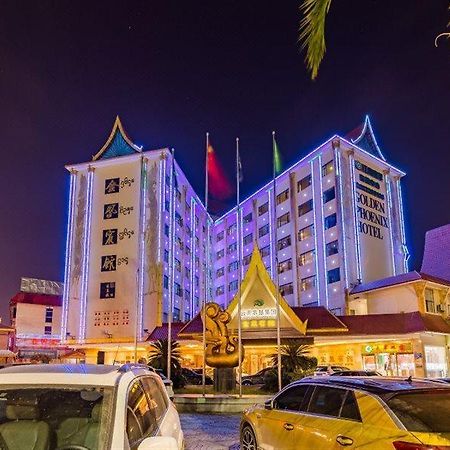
x: 277, y: 164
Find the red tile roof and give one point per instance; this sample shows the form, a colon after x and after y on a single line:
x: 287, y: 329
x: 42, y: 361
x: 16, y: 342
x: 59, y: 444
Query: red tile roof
x: 436, y: 260
x: 36, y: 299
x: 318, y: 318
x: 401, y: 323
x: 397, y: 279
x: 162, y: 332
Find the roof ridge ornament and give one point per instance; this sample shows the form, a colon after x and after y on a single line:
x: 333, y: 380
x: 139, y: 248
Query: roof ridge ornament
x: 117, y: 144
x: 368, y: 135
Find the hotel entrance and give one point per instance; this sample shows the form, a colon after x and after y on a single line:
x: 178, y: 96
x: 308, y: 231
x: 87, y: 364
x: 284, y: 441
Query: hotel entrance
x: 389, y: 358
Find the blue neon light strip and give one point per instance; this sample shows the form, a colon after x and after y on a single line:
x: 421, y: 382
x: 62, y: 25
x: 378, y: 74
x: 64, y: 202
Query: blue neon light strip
x: 316, y: 252
x: 273, y: 244
x: 172, y: 241
x: 355, y: 219
x: 391, y: 235
x: 322, y: 226
x: 402, y: 226
x: 193, y: 305
x: 161, y: 186
x: 68, y: 258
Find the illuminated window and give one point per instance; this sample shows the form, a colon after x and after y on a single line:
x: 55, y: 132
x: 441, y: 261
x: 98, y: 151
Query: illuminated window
x: 304, y: 183
x: 263, y: 230
x: 246, y: 260
x: 330, y: 221
x: 284, y: 242
x: 283, y: 220
x: 332, y: 248
x: 286, y: 289
x: 231, y: 229
x: 220, y: 290
x: 327, y: 168
x: 48, y: 315
x: 233, y: 266
x: 220, y: 254
x: 329, y: 195
x: 232, y: 248
x: 263, y: 208
x: 265, y: 251
x: 305, y: 207
x: 220, y: 272
x: 307, y: 283
x: 333, y: 275
x: 306, y: 258
x: 284, y: 266
x: 283, y: 196
x: 429, y: 300
x: 176, y: 314
x: 178, y: 289
x: 306, y: 232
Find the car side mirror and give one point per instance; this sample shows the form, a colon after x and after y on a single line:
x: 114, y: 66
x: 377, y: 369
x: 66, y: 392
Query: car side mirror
x: 158, y: 442
x: 268, y: 404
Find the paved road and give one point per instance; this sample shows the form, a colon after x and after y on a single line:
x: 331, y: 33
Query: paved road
x: 211, y: 431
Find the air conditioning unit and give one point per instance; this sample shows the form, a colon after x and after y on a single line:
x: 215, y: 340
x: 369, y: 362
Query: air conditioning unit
x: 440, y: 308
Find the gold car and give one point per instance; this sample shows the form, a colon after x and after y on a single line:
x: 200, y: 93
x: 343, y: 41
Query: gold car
x: 365, y: 413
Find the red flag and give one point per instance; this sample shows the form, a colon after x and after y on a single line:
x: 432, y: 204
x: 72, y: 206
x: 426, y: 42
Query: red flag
x: 219, y: 185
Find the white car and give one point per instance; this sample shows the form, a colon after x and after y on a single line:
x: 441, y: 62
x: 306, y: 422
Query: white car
x: 86, y: 407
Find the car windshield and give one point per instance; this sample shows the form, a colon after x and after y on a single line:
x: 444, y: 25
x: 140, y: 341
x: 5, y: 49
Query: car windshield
x: 58, y: 417
x: 423, y: 411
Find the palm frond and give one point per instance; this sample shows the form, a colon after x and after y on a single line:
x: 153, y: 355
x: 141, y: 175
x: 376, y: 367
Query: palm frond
x: 312, y: 32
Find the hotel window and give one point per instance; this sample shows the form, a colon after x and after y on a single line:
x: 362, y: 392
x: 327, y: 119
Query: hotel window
x: 220, y: 272
x: 265, y: 251
x: 187, y: 250
x: 187, y: 272
x: 306, y: 258
x: 177, y: 265
x: 187, y: 316
x: 333, y: 275
x: 180, y: 242
x: 286, y: 289
x: 231, y: 229
x: 232, y: 248
x: 178, y: 195
x: 48, y: 330
x: 429, y: 300
x: 283, y: 242
x: 336, y: 311
x: 307, y: 283
x: 304, y: 183
x: 188, y: 209
x: 178, y: 290
x: 168, y: 179
x: 48, y: 315
x: 203, y: 229
x: 283, y: 196
x: 283, y: 220
x: 248, y: 218
x: 220, y: 290
x: 246, y: 260
x: 165, y: 317
x: 166, y: 229
x: 187, y: 294
x: 166, y: 282
x: 306, y: 232
x: 197, y: 280
x: 176, y: 314
x: 284, y: 266
x: 263, y: 230
x: 167, y: 205
x: 188, y: 230
x: 232, y: 286
x: 220, y: 236
x: 332, y: 248
x: 327, y: 168
x: 197, y: 220
x: 197, y: 241
x: 305, y: 207
x: 178, y: 219
x: 197, y: 301
x: 220, y: 254
x: 330, y: 221
x: 263, y: 208
x: 233, y: 266
x: 329, y: 195
x: 197, y: 261
x: 248, y: 239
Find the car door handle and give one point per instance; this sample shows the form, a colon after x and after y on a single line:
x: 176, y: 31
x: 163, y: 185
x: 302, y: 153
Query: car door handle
x: 344, y: 440
x: 288, y: 426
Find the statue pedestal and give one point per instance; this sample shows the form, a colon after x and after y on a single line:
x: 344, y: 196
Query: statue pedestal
x: 224, y: 380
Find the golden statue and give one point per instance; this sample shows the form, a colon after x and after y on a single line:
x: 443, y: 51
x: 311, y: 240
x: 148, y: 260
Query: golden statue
x: 222, y: 349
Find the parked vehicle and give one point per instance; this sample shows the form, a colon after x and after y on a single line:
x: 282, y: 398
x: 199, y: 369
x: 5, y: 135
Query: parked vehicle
x: 378, y: 413
x: 256, y: 378
x: 192, y: 377
x: 356, y: 373
x: 86, y: 407
x: 328, y: 370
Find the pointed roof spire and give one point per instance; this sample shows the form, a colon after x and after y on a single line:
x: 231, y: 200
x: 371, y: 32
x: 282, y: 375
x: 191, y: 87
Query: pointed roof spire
x: 365, y: 138
x: 117, y: 144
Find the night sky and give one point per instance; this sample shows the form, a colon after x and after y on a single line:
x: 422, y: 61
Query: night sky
x: 174, y: 70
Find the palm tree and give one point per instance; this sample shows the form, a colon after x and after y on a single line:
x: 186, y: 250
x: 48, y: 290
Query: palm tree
x: 295, y: 357
x: 158, y: 355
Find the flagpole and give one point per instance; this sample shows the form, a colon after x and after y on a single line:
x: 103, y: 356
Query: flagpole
x: 238, y: 173
x: 206, y: 273
x: 277, y: 281
x: 170, y: 315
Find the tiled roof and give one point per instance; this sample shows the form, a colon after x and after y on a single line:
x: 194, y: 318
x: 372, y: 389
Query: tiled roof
x: 36, y: 299
x: 318, y: 318
x: 436, y: 259
x: 401, y: 323
x: 397, y: 279
x: 162, y: 332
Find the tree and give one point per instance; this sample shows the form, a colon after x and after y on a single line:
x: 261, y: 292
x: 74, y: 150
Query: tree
x: 158, y: 355
x: 295, y: 358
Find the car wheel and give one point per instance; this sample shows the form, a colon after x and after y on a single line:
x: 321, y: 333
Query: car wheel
x: 248, y: 439
x: 246, y: 383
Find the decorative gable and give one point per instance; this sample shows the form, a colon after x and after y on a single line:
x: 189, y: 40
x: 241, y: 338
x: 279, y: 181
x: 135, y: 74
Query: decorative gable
x: 118, y: 144
x: 258, y: 297
x: 366, y: 140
